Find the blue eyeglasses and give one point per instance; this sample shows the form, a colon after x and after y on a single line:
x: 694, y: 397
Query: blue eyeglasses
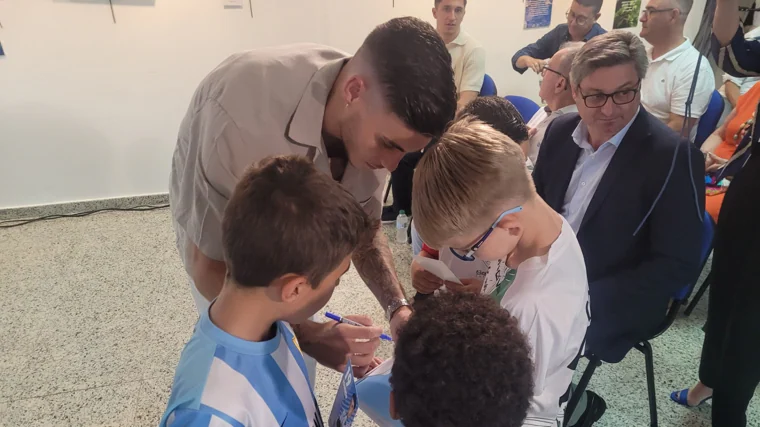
x: 470, y: 254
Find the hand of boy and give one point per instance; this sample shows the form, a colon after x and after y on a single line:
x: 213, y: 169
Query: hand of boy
x: 424, y: 281
x: 331, y: 343
x: 472, y: 286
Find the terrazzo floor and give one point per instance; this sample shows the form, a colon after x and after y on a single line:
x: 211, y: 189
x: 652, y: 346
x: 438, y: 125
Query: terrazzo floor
x: 95, y: 311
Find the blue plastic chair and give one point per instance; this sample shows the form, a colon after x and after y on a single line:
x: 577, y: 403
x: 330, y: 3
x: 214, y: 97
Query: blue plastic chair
x: 489, y: 86
x: 709, y: 121
x: 525, y: 106
x: 679, y: 299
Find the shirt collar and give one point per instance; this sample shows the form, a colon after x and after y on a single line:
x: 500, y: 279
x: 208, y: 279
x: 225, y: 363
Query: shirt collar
x: 461, y: 39
x: 595, y: 30
x: 672, y: 54
x: 305, y: 126
x: 572, y: 108
x: 580, y: 134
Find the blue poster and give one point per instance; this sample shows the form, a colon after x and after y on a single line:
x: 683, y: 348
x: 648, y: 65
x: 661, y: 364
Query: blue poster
x: 346, y: 403
x: 538, y: 13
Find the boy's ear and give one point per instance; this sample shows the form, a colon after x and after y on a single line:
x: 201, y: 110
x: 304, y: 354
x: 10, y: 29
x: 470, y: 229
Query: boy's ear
x: 392, y: 407
x: 291, y: 287
x: 509, y: 223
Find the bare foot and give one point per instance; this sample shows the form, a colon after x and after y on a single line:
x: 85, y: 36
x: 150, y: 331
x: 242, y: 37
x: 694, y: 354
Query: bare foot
x: 698, y: 393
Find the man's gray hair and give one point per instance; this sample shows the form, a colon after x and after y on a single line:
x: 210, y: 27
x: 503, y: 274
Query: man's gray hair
x: 616, y: 47
x: 683, y: 6
x: 569, y: 51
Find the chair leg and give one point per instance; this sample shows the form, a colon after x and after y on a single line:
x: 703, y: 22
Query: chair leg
x: 701, y: 291
x: 646, y: 348
x: 387, y: 191
x: 593, y: 363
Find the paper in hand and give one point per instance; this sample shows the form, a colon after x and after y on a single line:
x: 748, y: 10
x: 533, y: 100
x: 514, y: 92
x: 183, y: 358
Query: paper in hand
x: 346, y: 403
x: 375, y: 395
x: 438, y: 268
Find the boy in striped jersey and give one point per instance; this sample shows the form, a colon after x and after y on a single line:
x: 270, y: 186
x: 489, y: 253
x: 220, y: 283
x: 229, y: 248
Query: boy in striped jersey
x: 288, y: 235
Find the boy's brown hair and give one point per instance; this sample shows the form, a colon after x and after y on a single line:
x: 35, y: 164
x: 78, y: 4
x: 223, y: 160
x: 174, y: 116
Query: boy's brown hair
x: 285, y: 217
x: 463, y: 181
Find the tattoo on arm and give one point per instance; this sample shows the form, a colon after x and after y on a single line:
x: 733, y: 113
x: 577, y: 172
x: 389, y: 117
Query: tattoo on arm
x: 374, y: 262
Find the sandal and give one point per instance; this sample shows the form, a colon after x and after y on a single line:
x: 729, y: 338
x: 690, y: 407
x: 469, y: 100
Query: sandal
x: 681, y: 398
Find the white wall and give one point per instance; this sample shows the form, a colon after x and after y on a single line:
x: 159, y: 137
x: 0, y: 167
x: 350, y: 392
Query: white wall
x: 89, y: 109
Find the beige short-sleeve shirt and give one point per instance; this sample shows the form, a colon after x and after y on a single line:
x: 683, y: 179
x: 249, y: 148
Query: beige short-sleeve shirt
x: 468, y: 58
x: 255, y: 104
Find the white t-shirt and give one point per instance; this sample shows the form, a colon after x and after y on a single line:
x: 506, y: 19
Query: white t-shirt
x: 468, y: 58
x: 549, y: 297
x: 668, y: 81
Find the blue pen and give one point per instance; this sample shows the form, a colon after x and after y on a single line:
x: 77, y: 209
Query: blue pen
x: 341, y: 319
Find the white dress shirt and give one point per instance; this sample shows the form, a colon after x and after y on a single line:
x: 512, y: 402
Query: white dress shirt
x: 540, y: 121
x: 589, y: 170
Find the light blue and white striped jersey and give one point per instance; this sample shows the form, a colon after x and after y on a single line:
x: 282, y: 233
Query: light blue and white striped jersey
x: 225, y: 381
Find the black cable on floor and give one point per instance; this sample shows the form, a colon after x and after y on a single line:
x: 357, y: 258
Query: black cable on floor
x: 11, y: 223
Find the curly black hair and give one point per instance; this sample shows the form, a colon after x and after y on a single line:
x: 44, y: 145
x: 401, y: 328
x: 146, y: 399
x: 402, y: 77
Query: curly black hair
x: 462, y: 361
x: 500, y: 114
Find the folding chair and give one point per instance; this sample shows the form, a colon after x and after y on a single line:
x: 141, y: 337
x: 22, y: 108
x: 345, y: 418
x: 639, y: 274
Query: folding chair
x: 679, y: 299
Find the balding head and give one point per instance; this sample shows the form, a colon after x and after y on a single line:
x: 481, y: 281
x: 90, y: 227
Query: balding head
x: 565, y: 56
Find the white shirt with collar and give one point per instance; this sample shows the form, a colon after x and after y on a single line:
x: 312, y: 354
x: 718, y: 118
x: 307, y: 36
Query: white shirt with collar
x: 468, y: 58
x: 668, y: 82
x: 540, y: 121
x: 589, y: 170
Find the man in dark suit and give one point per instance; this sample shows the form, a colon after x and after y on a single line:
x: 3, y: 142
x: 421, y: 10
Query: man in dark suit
x: 632, y: 190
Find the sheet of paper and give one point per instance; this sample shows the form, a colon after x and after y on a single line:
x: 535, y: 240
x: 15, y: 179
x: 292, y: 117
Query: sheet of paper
x: 438, y: 268
x: 232, y: 4
x: 346, y: 403
x: 374, y: 392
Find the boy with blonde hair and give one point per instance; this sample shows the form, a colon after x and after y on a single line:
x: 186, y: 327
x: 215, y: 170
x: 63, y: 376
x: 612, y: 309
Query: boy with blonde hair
x: 473, y: 194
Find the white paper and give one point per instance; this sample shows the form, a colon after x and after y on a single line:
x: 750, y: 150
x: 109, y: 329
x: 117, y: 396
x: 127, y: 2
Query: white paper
x: 438, y: 268
x: 232, y: 3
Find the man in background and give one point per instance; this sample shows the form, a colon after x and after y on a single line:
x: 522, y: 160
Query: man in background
x: 556, y: 92
x: 468, y: 59
x: 735, y: 87
x: 672, y: 62
x: 581, y: 26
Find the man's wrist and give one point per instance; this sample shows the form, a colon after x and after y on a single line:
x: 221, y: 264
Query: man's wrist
x: 394, y: 307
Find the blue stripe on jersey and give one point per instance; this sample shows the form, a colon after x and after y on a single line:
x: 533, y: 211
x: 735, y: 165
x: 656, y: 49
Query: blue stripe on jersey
x: 290, y: 340
x: 271, y: 384
x: 228, y: 419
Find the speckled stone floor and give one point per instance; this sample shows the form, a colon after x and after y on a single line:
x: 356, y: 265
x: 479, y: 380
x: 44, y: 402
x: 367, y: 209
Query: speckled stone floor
x: 95, y: 311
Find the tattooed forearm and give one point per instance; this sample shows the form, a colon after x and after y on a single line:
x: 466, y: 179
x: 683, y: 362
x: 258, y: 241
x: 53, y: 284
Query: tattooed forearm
x: 374, y: 262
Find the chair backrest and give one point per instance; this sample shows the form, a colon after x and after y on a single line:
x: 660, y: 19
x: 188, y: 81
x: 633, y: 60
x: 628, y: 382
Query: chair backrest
x: 708, y: 233
x: 525, y: 106
x: 709, y: 121
x: 489, y: 86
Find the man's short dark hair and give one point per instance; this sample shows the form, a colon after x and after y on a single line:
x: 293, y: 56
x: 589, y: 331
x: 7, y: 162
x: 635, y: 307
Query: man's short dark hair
x: 498, y: 113
x: 414, y: 69
x: 596, y: 4
x: 285, y: 217
x: 461, y: 361
x: 437, y: 2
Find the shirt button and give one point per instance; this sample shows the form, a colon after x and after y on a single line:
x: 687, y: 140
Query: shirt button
x: 583, y: 183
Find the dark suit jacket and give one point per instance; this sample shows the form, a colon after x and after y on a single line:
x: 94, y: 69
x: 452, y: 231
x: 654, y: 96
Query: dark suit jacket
x: 631, y: 278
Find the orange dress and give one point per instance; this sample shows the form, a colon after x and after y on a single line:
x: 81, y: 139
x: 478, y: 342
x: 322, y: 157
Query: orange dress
x: 745, y: 108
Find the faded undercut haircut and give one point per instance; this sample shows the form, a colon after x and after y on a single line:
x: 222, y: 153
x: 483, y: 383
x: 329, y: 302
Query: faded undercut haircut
x: 596, y: 4
x: 413, y: 67
x: 462, y: 181
x: 616, y: 47
x: 286, y: 217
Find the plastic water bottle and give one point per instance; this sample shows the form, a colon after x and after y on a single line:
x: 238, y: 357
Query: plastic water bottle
x: 402, y: 224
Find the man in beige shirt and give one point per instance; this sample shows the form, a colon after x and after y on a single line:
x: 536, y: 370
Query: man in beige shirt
x: 468, y: 59
x: 355, y: 117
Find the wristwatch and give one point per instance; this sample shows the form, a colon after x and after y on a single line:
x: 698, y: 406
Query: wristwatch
x: 394, y: 306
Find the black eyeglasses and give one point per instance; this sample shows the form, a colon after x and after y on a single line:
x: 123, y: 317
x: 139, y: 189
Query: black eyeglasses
x: 469, y: 254
x: 579, y: 19
x: 649, y: 11
x: 546, y: 68
x: 621, y: 97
